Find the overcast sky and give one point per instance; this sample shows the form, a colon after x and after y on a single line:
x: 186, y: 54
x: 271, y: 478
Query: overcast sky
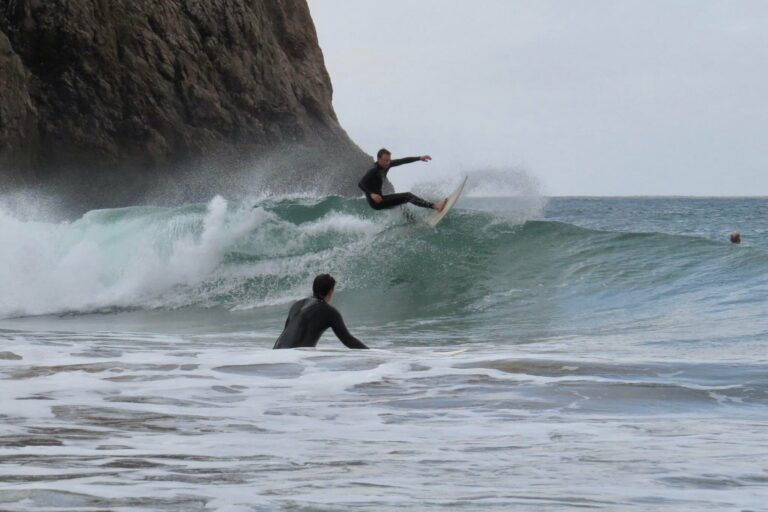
x: 600, y: 97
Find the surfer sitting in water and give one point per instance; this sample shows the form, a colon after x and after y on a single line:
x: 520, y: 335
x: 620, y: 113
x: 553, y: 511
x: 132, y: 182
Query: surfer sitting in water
x: 309, y: 318
x: 374, y: 179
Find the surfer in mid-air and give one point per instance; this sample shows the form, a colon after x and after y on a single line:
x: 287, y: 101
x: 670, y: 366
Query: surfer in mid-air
x: 373, y: 181
x: 309, y: 318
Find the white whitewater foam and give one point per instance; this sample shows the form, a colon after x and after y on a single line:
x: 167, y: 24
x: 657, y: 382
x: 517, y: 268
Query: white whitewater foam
x: 96, y: 262
x: 172, y: 257
x: 243, y: 428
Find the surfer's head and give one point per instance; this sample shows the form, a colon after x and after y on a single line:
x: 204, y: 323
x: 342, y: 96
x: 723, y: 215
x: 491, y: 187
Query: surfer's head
x: 383, y: 158
x: 322, y: 287
x: 735, y: 237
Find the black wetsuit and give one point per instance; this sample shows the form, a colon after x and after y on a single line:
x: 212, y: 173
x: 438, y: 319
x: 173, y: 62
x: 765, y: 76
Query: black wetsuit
x: 373, y: 180
x: 306, y: 322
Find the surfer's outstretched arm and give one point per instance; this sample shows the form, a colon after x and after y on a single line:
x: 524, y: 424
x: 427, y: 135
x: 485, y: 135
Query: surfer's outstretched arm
x: 406, y: 160
x: 341, y: 331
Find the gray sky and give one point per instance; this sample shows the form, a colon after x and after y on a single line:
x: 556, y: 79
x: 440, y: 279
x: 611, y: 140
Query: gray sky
x: 601, y: 97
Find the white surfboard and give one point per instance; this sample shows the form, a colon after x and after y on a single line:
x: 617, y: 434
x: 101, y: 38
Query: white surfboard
x: 434, y: 219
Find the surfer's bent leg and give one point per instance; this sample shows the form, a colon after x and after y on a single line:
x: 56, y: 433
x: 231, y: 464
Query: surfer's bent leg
x: 392, y: 200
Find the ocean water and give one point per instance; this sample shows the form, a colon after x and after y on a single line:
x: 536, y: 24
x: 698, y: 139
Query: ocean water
x: 527, y: 354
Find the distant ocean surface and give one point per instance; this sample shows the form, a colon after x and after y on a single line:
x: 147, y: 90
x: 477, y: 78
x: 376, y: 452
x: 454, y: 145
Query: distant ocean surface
x: 527, y: 354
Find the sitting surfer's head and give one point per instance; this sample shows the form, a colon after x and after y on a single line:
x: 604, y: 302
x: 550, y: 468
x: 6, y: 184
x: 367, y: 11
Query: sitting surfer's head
x: 322, y: 287
x: 384, y: 158
x: 735, y: 237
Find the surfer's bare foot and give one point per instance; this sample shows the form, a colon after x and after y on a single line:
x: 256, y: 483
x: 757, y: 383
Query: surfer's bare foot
x: 439, y: 206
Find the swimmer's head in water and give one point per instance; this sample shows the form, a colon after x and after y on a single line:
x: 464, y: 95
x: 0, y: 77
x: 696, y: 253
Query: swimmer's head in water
x: 323, y: 285
x: 735, y: 238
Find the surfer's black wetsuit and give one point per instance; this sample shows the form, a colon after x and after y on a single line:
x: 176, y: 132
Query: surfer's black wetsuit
x: 306, y: 322
x: 373, y: 180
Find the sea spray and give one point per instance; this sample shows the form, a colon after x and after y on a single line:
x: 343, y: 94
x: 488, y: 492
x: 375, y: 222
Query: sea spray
x: 113, y: 258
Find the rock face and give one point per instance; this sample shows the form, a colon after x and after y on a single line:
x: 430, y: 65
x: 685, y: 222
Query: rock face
x: 113, y: 97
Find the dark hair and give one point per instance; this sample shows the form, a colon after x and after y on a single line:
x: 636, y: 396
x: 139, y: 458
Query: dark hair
x: 382, y: 151
x: 323, y: 284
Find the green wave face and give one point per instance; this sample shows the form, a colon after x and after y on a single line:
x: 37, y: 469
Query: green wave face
x: 490, y: 268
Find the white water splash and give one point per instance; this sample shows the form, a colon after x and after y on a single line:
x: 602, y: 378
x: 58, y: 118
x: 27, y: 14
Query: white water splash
x: 113, y: 258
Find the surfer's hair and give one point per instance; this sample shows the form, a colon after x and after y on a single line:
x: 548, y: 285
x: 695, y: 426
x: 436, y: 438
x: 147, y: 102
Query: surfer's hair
x: 383, y: 151
x: 322, y: 285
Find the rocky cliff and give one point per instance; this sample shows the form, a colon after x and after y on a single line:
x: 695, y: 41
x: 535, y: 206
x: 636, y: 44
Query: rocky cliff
x: 114, y: 97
